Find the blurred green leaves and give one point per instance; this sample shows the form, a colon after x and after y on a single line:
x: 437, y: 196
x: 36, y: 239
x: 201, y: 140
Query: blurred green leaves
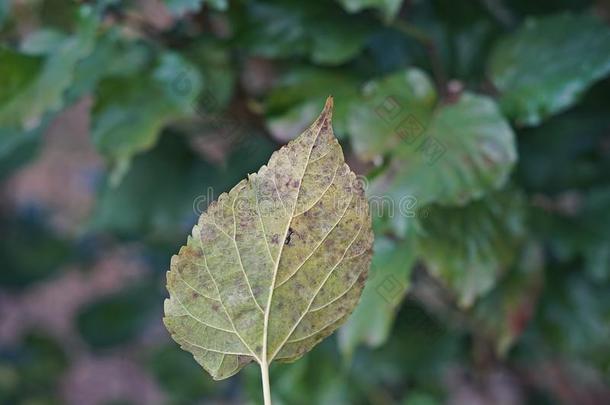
x: 425, y: 95
x: 385, y: 289
x: 130, y: 112
x: 465, y: 150
x: 388, y: 109
x: 30, y: 372
x: 29, y: 252
x: 279, y: 29
x: 181, y: 377
x: 388, y: 8
x: 181, y: 7
x: 546, y: 65
x: 119, y: 317
x: 165, y: 190
x: 468, y: 248
x: 32, y: 84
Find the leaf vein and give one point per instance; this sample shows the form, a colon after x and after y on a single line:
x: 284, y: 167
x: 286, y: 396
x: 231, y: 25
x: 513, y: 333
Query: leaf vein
x: 315, y: 295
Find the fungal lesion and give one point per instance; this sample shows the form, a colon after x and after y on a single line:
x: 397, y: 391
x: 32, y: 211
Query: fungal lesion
x: 289, y: 236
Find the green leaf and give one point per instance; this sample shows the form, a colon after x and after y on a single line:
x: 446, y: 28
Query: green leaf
x: 129, y: 58
x: 468, y: 248
x: 29, y: 252
x: 584, y: 233
x: 574, y: 319
x: 388, y: 8
x: 32, y: 85
x: 384, y: 291
x: 293, y: 102
x: 504, y: 314
x: 213, y: 59
x: 42, y: 42
x: 275, y: 265
x: 279, y: 29
x: 389, y: 106
x: 18, y: 146
x: 466, y: 150
x: 160, y: 208
x: 181, y: 7
x: 5, y: 9
x: 116, y: 318
x: 129, y: 112
x: 178, y: 375
x: 545, y: 66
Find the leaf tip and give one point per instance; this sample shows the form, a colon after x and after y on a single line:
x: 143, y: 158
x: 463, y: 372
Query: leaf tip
x: 328, y: 106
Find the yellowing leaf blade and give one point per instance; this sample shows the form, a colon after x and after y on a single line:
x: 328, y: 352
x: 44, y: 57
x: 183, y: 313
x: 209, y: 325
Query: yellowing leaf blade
x: 276, y: 264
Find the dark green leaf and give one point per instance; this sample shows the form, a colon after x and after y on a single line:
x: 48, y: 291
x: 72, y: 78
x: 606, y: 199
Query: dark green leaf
x: 388, y: 284
x: 468, y: 248
x: 546, y: 65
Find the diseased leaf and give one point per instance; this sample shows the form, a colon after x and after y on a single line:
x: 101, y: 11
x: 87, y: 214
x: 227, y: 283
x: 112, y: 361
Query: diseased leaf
x: 276, y: 264
x: 548, y: 63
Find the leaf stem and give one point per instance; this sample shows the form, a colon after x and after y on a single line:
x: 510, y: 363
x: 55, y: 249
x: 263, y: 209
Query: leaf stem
x: 266, y: 386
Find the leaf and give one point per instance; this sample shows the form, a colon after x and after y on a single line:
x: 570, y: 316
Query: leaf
x: 30, y: 252
x: 466, y: 150
x: 280, y: 29
x: 178, y: 375
x: 384, y: 291
x: 18, y: 146
x: 162, y: 207
x: 545, y: 66
x: 117, y: 318
x: 504, y: 314
x: 468, y: 248
x: 182, y: 7
x: 293, y: 103
x: 388, y: 8
x: 574, y: 319
x: 584, y: 233
x: 129, y: 58
x: 390, y: 105
x: 129, y: 112
x: 276, y: 264
x: 5, y: 9
x: 31, y: 85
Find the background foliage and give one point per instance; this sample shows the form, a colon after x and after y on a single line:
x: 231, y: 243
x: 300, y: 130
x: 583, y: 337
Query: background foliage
x: 483, y: 132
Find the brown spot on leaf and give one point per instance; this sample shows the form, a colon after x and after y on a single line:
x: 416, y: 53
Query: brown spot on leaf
x: 289, y: 236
